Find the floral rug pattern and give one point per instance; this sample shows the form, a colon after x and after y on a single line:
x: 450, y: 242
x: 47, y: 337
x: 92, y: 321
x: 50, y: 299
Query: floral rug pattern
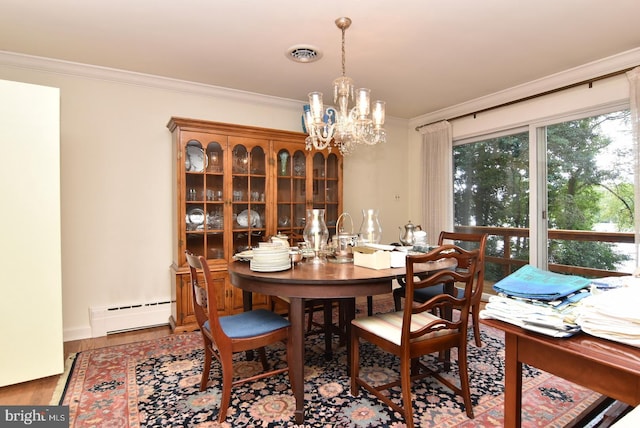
x: 156, y: 384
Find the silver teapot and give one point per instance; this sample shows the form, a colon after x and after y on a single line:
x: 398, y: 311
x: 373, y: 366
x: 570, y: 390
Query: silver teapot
x: 407, y: 236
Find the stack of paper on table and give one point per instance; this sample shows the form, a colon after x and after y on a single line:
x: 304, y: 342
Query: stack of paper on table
x: 612, y: 315
x: 533, y: 283
x: 538, y: 300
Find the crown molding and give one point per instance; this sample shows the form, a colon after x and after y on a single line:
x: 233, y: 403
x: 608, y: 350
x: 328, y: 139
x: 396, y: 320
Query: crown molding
x: 581, y: 73
x: 50, y: 65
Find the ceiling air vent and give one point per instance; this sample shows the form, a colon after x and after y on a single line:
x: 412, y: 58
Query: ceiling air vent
x: 302, y: 53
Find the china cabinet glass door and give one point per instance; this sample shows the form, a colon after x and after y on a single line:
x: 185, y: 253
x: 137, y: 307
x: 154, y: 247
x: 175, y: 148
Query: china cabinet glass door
x: 203, y: 195
x: 291, y: 191
x: 248, y: 193
x: 326, y: 187
x: 305, y: 180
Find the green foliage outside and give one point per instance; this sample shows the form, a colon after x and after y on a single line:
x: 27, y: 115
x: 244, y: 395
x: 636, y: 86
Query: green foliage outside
x: 491, y: 188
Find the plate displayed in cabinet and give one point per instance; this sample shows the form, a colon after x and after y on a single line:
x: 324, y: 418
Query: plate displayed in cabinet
x: 195, y: 219
x: 195, y: 160
x: 243, y: 219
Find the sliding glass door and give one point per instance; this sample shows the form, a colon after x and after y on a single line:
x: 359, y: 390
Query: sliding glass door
x: 491, y: 195
x: 558, y: 195
x: 590, y: 197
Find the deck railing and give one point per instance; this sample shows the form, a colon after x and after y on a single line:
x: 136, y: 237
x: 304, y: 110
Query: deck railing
x: 509, y: 264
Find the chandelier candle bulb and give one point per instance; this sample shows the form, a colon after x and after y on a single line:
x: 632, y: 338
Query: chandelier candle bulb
x: 315, y: 102
x: 363, y: 102
x: 378, y: 114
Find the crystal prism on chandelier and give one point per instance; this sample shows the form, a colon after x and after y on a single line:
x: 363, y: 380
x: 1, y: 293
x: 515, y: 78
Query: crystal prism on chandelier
x: 347, y: 128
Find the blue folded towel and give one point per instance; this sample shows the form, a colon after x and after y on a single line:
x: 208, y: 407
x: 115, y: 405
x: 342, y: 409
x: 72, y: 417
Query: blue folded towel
x: 533, y: 283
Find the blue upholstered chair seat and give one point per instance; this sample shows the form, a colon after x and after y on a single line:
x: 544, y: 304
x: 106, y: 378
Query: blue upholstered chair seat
x: 252, y: 323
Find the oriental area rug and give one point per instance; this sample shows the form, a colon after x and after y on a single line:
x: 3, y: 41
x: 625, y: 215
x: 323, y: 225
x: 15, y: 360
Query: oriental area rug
x: 156, y: 384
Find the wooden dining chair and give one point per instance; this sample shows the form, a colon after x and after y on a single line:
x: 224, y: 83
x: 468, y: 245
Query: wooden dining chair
x: 416, y: 331
x: 468, y: 241
x: 225, y: 335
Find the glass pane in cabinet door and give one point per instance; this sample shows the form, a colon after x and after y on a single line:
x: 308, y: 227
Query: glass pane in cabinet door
x: 240, y: 160
x: 215, y: 217
x: 257, y: 161
x: 194, y: 187
x: 257, y: 221
x: 332, y: 166
x: 195, y: 242
x: 215, y: 245
x: 284, y: 190
x: 319, y: 192
x: 257, y: 189
x: 284, y: 217
x: 319, y: 174
x: 240, y: 191
x: 240, y: 242
x: 214, y: 157
x: 195, y: 217
x: 195, y: 159
x: 214, y: 188
x: 319, y: 168
x: 244, y: 240
x: 299, y: 190
x: 331, y: 192
x: 284, y: 163
x: 300, y: 215
x: 249, y: 220
x: 240, y: 216
x: 299, y: 164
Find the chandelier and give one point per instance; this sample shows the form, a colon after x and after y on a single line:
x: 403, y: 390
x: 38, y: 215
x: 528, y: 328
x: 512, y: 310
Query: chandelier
x: 347, y: 128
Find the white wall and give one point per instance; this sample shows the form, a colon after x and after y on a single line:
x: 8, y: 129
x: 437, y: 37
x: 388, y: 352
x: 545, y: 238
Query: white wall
x: 376, y: 177
x: 116, y: 175
x: 30, y: 239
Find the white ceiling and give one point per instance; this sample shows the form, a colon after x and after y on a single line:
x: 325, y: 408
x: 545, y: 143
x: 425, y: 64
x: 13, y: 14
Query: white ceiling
x: 419, y: 56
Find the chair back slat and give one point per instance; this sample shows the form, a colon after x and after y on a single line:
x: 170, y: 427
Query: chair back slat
x: 441, y: 303
x: 469, y: 241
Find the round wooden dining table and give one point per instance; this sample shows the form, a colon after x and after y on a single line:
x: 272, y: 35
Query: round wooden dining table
x: 316, y: 281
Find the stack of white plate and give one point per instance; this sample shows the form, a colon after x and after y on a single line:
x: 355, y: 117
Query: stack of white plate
x: 270, y: 258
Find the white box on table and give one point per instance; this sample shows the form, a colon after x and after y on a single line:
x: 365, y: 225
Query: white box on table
x: 376, y: 260
x: 398, y: 259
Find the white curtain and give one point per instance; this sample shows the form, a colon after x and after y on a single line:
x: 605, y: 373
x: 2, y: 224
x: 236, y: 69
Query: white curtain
x: 634, y: 98
x: 437, y: 179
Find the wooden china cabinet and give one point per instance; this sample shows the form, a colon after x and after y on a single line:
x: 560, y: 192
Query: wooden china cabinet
x: 236, y: 186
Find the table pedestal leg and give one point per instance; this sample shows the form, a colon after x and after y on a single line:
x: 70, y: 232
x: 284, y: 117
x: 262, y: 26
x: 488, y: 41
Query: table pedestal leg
x: 296, y: 374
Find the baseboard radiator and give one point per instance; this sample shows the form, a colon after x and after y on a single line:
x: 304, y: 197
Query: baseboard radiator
x: 105, y: 320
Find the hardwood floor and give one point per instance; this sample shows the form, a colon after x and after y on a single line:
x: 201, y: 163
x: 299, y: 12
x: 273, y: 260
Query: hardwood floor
x: 40, y: 391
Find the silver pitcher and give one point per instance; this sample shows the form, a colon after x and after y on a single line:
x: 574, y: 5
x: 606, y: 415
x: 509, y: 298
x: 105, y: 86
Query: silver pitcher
x: 407, y: 236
